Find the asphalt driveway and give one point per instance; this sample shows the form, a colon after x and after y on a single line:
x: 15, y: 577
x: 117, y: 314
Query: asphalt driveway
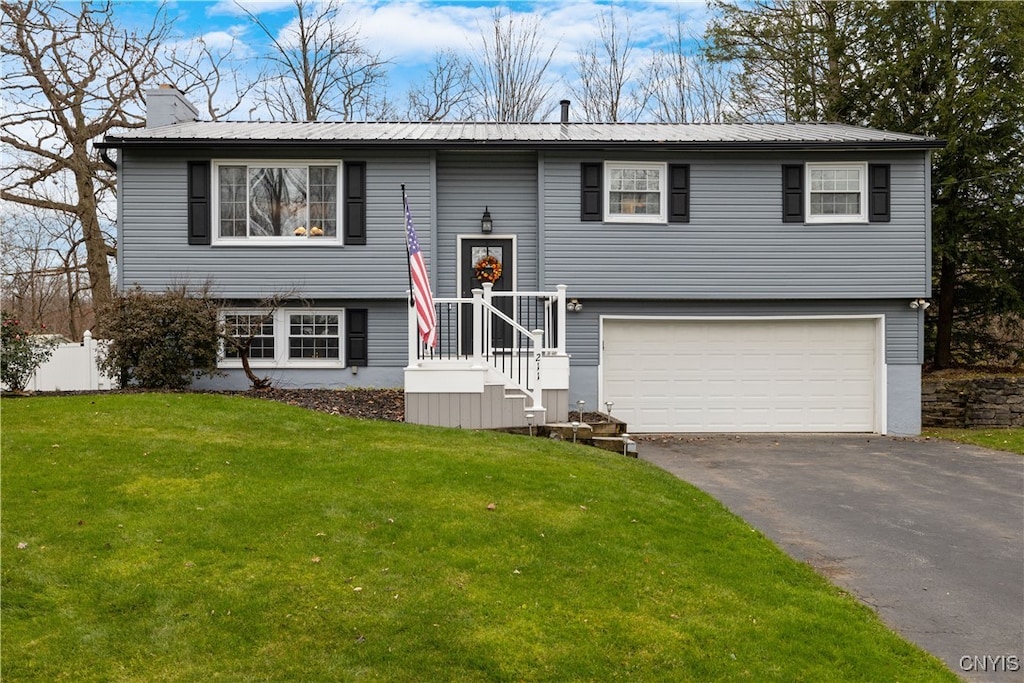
x: 928, y: 533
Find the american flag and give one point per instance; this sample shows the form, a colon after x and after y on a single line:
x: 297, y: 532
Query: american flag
x: 422, y: 298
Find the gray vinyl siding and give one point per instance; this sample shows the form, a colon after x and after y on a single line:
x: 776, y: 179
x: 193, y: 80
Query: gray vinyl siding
x: 902, y: 324
x: 504, y: 183
x: 155, y: 252
x: 736, y: 245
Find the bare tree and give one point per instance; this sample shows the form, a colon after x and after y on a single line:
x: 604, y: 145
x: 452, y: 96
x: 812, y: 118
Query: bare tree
x: 508, y: 75
x: 210, y: 77
x: 71, y: 75
x: 445, y: 93
x: 604, y: 73
x: 45, y: 281
x: 681, y: 85
x: 319, y: 68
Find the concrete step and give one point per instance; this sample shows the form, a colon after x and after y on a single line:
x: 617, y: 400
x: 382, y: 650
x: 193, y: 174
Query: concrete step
x: 610, y: 436
x: 616, y: 444
x: 609, y: 427
x: 566, y: 431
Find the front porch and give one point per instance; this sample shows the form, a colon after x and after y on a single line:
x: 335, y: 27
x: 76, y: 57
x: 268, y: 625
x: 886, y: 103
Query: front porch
x: 500, y: 362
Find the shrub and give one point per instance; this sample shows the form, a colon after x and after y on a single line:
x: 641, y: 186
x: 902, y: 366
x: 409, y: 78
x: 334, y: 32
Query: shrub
x: 160, y: 340
x: 21, y: 353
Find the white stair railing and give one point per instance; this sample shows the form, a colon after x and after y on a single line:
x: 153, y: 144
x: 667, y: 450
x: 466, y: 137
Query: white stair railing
x: 517, y: 360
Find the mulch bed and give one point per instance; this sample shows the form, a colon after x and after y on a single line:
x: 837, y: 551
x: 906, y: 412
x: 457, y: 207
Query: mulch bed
x: 370, y: 404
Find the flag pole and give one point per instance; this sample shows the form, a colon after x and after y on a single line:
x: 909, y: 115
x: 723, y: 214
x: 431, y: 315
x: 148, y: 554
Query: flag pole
x: 408, y: 255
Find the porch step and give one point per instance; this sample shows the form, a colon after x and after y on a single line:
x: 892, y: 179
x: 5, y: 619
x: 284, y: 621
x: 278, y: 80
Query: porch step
x: 616, y: 444
x: 610, y: 435
x: 564, y: 431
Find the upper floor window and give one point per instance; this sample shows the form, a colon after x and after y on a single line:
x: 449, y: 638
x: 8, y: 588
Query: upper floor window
x: 635, y: 192
x: 836, y: 193
x: 285, y: 202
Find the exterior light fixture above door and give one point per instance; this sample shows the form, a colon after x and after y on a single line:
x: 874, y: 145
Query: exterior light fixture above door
x: 486, y: 224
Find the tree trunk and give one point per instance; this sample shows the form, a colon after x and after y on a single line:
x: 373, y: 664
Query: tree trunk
x: 257, y: 383
x: 96, y: 248
x: 947, y: 300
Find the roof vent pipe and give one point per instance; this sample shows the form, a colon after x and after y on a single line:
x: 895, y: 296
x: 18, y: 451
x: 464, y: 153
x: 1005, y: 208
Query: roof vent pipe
x: 565, y: 111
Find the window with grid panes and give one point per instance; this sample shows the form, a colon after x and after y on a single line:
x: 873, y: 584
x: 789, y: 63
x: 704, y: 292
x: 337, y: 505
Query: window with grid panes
x: 836, y: 193
x: 259, y: 326
x: 314, y: 335
x: 635, y: 192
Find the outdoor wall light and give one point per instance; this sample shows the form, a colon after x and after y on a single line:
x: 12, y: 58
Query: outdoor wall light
x: 486, y: 224
x: 574, y: 305
x: 923, y: 304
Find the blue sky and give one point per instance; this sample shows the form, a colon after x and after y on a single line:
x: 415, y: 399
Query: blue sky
x: 409, y: 32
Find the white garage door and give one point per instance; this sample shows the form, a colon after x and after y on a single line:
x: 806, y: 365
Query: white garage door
x: 808, y: 375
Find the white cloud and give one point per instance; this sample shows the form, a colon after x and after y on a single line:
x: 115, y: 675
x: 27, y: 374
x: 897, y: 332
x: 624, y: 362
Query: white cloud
x: 240, y: 8
x: 412, y: 31
x: 409, y: 32
x: 223, y: 40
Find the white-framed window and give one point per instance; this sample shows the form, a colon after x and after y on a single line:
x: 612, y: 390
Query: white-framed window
x: 836, y: 192
x: 288, y: 337
x: 277, y: 202
x: 635, y: 192
x: 255, y: 325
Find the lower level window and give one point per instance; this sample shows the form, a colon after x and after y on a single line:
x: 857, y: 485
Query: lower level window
x: 254, y: 329
x: 282, y: 338
x: 314, y: 335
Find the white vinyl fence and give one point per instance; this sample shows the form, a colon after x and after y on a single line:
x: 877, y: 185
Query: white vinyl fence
x: 72, y: 367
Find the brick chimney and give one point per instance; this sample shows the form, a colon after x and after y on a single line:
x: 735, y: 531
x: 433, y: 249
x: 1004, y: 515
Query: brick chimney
x: 166, y: 105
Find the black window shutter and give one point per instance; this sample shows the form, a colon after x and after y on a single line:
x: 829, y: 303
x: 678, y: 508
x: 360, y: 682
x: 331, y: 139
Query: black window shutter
x: 199, y: 202
x: 356, y: 324
x: 679, y: 193
x: 878, y: 193
x: 590, y: 191
x: 793, y: 193
x: 355, y: 202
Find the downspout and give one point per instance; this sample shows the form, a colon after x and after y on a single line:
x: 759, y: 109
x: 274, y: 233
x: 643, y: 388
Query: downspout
x: 107, y: 160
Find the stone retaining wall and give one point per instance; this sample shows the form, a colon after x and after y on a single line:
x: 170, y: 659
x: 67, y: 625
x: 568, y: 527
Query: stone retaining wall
x: 986, y: 402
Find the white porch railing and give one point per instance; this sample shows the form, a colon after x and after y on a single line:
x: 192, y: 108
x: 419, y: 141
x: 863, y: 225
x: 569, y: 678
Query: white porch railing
x: 514, y: 336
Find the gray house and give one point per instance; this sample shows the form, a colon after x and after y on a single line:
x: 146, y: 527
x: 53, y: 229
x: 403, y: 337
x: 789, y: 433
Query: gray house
x: 741, y: 277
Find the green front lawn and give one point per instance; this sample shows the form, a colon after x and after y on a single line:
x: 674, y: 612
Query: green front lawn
x: 1009, y: 439
x: 188, y: 537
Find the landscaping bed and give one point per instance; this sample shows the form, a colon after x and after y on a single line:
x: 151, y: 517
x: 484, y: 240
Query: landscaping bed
x: 369, y: 404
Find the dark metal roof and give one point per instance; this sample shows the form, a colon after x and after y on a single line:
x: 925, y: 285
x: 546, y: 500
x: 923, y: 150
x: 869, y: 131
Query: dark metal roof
x: 470, y: 134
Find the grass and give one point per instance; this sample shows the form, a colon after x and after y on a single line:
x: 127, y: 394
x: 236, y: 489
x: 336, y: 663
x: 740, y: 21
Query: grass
x: 1008, y: 439
x: 188, y: 537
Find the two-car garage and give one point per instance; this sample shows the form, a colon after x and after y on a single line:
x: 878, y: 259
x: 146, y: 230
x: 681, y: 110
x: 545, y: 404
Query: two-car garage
x: 806, y: 374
